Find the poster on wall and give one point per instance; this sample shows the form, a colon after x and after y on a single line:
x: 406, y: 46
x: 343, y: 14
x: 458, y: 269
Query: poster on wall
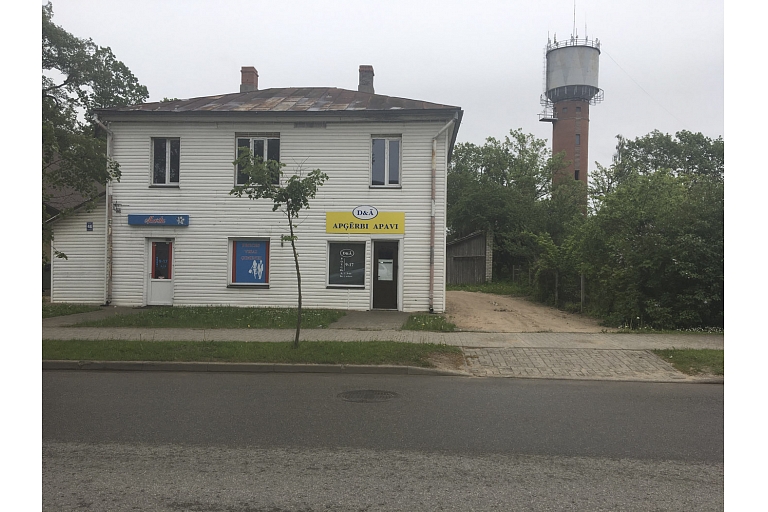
x: 346, y: 264
x: 250, y: 265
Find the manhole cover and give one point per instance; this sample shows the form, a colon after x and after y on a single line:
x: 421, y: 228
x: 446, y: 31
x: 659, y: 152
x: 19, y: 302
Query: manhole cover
x: 367, y: 395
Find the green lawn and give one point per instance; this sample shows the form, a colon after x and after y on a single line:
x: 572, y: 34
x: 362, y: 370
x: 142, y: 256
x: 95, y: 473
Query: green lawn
x: 695, y: 361
x: 427, y: 322
x: 221, y: 317
x: 309, y: 352
x: 51, y: 310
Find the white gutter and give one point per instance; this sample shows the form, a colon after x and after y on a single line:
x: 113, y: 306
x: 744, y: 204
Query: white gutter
x: 432, y: 217
x: 108, y: 231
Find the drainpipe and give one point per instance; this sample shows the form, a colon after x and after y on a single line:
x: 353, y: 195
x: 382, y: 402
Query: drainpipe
x: 432, y: 217
x: 108, y: 248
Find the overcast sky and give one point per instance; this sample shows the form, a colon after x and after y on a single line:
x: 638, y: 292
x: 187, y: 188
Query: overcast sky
x: 661, y: 67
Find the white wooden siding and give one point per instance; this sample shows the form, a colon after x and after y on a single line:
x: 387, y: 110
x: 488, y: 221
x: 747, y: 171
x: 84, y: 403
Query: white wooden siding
x: 201, y: 257
x: 81, y: 277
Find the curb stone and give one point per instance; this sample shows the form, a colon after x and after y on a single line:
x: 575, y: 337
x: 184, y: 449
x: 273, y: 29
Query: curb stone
x: 172, y: 366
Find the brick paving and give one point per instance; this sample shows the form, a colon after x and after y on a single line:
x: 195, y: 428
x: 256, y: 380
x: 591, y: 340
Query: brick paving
x: 578, y: 363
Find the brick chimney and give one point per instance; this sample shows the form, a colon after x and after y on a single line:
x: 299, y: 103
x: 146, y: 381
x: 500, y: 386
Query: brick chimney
x: 366, y: 79
x: 250, y: 79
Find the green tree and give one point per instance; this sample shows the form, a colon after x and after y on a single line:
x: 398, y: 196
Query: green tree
x: 502, y: 186
x: 655, y: 252
x: 685, y: 154
x: 263, y: 181
x: 78, y: 77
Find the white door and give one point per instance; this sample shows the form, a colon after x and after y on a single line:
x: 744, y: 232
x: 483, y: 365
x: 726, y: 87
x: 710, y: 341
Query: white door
x: 160, y: 287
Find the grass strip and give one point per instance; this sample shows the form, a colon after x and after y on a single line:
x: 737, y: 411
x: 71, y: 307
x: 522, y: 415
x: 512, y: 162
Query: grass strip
x: 695, y: 361
x: 496, y: 287
x: 309, y: 352
x: 220, y: 317
x: 51, y: 310
x: 427, y: 322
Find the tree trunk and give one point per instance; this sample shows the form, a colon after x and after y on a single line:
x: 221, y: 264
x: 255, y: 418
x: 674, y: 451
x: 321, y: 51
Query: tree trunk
x: 298, y: 279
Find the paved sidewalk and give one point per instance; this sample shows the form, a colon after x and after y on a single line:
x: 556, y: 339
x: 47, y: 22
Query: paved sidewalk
x: 584, y: 364
x: 596, y: 356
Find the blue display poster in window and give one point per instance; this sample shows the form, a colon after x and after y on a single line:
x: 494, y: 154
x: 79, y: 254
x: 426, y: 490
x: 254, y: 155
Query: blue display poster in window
x: 250, y: 264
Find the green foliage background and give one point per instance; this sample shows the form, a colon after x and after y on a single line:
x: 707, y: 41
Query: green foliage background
x: 650, y: 242
x: 78, y: 78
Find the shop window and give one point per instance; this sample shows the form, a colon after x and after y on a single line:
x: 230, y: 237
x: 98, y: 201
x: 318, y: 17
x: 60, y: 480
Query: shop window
x: 346, y: 264
x: 264, y: 148
x: 385, y: 161
x: 165, y: 161
x: 249, y: 263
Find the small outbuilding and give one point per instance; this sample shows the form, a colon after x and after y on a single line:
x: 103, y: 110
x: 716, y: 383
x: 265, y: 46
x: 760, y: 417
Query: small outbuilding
x: 470, y: 259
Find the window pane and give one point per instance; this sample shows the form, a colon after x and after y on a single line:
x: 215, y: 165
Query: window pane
x: 273, y: 149
x: 175, y: 147
x: 273, y: 153
x: 250, y: 265
x: 242, y: 144
x: 377, y: 162
x: 161, y: 265
x: 346, y: 264
x: 158, y: 175
x: 258, y: 148
x: 394, y: 162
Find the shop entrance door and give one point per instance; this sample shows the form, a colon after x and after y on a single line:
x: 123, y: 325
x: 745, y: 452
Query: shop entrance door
x: 385, y: 270
x: 160, y: 282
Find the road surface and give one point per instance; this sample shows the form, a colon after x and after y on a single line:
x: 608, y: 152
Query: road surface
x: 250, y: 442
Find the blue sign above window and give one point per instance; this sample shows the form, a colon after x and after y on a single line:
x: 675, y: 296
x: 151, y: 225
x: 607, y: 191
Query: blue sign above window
x: 166, y: 219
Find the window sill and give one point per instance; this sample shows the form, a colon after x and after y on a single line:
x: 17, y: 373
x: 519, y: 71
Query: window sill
x: 250, y: 286
x: 386, y: 186
x: 154, y: 185
x: 342, y: 287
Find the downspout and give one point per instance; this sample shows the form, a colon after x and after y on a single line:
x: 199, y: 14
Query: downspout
x: 432, y: 216
x: 108, y: 248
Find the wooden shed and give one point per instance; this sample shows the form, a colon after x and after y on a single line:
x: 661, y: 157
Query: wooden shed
x: 469, y: 260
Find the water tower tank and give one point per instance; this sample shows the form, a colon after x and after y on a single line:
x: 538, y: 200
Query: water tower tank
x: 572, y: 69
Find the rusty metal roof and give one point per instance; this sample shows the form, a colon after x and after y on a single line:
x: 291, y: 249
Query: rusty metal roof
x: 288, y: 99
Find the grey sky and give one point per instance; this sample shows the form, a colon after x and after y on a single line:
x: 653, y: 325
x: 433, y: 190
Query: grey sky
x: 662, y: 61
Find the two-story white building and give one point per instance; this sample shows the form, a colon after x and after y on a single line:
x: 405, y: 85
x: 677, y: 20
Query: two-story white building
x: 169, y: 232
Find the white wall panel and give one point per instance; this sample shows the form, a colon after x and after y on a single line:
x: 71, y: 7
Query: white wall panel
x: 81, y: 277
x: 342, y: 150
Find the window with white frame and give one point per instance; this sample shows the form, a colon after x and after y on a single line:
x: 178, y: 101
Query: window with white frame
x: 249, y: 262
x: 385, y: 161
x: 266, y: 147
x: 165, y: 161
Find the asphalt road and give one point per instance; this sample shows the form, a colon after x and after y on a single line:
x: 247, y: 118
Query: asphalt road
x: 271, y: 442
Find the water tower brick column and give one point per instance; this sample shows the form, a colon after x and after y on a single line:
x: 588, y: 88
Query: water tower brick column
x: 570, y: 133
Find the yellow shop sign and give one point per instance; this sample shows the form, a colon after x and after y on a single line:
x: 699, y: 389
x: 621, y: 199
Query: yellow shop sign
x: 382, y: 223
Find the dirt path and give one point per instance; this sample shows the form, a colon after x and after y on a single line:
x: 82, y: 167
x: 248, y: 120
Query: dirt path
x: 475, y: 311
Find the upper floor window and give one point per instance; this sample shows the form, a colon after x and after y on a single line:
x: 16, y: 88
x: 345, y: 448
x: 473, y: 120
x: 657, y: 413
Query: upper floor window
x: 578, y: 139
x: 385, y: 161
x: 165, y: 161
x: 265, y: 147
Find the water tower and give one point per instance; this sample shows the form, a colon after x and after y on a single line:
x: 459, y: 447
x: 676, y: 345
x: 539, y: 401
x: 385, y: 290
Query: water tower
x: 570, y: 88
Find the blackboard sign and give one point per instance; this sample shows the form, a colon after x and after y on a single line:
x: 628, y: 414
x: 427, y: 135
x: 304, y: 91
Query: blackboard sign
x: 346, y: 264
